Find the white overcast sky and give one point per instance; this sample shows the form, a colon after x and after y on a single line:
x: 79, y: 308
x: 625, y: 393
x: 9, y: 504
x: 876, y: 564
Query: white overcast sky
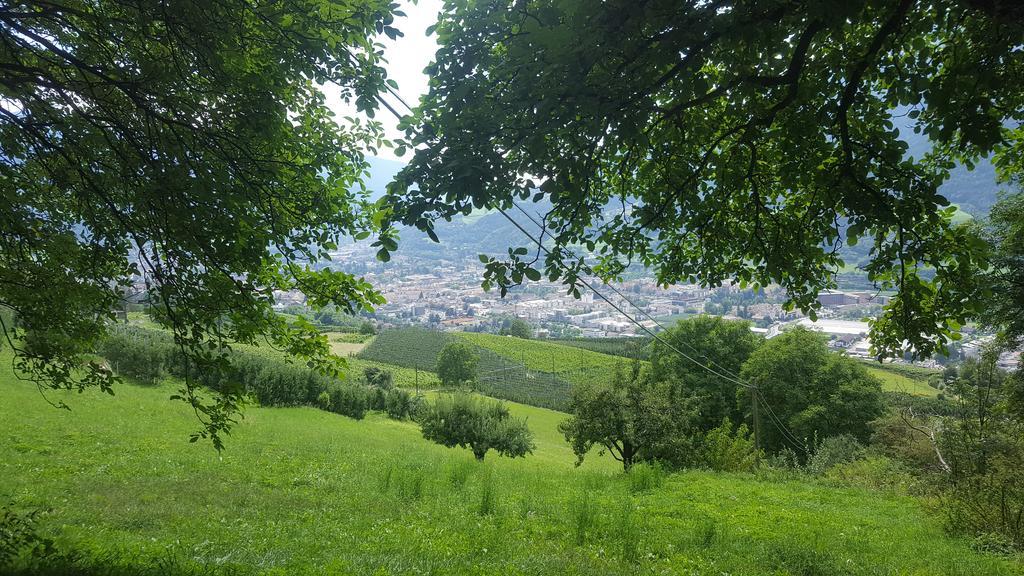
x: 406, y: 58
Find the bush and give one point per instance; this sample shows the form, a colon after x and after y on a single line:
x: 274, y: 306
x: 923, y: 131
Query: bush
x: 379, y: 378
x: 645, y: 476
x: 349, y: 401
x: 876, y: 473
x: 471, y: 422
x: 989, y: 505
x: 833, y: 451
x: 727, y: 450
x: 149, y: 355
x: 18, y: 536
x: 323, y: 401
x: 398, y: 403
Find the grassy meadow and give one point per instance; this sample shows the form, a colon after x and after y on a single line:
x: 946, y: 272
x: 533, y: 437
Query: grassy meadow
x: 895, y: 382
x: 302, y: 491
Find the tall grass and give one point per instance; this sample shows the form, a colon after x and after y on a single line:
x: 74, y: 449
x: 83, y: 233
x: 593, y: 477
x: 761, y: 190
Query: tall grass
x: 301, y: 491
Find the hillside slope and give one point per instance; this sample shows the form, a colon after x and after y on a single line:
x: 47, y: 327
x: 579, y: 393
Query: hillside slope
x: 301, y: 491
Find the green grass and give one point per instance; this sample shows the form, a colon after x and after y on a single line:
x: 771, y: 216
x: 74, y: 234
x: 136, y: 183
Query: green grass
x: 625, y: 346
x: 578, y: 364
x: 301, y: 491
x: 895, y: 382
x: 403, y: 377
x: 408, y: 347
x: 501, y: 376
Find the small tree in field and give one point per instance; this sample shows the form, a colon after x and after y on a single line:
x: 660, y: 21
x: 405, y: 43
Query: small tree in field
x: 633, y: 418
x: 456, y: 365
x: 475, y: 423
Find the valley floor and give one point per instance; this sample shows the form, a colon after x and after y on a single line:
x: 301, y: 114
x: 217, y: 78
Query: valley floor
x: 301, y: 491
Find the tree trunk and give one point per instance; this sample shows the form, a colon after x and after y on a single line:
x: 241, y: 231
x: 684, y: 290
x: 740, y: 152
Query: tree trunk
x: 628, y: 455
x: 479, y: 452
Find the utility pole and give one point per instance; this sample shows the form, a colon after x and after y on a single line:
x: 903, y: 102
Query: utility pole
x: 757, y: 421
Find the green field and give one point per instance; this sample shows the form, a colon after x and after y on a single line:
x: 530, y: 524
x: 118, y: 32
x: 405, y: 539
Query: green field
x: 501, y: 372
x: 403, y: 377
x: 302, y: 491
x: 578, y: 364
x: 893, y: 382
x: 625, y: 346
x: 408, y: 347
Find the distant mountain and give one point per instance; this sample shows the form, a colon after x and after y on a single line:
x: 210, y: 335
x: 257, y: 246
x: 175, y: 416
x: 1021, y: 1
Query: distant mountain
x: 382, y: 171
x: 974, y: 191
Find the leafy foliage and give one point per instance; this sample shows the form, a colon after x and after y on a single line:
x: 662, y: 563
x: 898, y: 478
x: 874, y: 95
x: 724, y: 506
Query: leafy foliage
x: 632, y: 418
x: 722, y: 346
x: 19, y: 536
x: 268, y: 378
x: 814, y: 393
x: 518, y: 328
x: 475, y: 423
x: 457, y: 364
x: 1005, y: 308
x: 749, y: 141
x: 729, y: 448
x: 984, y: 444
x: 186, y: 156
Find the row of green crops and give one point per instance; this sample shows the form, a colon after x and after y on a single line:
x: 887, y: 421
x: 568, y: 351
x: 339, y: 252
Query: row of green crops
x: 531, y: 372
x: 577, y: 365
x: 149, y: 355
x: 625, y: 346
x: 410, y: 349
x: 407, y: 347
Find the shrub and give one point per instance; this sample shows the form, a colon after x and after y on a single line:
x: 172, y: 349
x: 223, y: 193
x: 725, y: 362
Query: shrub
x: 645, y: 476
x: 397, y: 403
x: 18, y: 536
x: 149, y: 354
x: 349, y: 401
x: 727, y: 450
x: 833, y: 451
x: 323, y: 401
x: 989, y: 505
x: 379, y: 378
x: 471, y: 422
x: 876, y: 473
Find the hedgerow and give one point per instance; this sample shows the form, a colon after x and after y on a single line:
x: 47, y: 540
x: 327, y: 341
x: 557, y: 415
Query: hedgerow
x: 149, y: 355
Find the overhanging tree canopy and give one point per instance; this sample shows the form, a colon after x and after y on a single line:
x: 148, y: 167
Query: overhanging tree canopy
x: 186, y: 143
x: 716, y: 140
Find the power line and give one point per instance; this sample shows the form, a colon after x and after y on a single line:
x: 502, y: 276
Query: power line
x: 733, y: 377
x: 729, y: 376
x: 653, y: 334
x: 590, y: 271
